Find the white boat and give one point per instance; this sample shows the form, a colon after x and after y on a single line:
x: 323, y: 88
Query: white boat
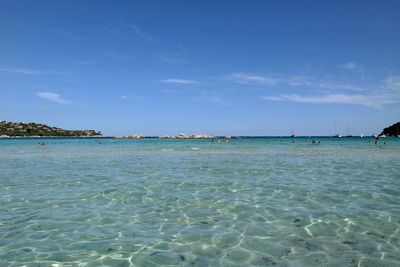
x: 336, y: 134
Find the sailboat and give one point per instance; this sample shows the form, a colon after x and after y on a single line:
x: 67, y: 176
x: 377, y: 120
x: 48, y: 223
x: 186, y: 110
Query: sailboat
x: 336, y: 134
x: 347, y: 132
x: 293, y: 134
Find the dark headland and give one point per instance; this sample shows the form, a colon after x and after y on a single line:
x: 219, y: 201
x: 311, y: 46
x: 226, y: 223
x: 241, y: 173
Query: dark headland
x: 393, y: 130
x: 30, y: 129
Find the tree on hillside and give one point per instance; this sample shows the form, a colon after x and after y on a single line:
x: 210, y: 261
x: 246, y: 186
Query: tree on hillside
x: 393, y: 130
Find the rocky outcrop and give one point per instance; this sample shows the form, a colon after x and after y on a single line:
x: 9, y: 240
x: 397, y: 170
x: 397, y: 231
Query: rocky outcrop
x: 183, y: 136
x: 133, y: 136
x: 201, y: 136
x: 166, y: 136
x: 393, y: 130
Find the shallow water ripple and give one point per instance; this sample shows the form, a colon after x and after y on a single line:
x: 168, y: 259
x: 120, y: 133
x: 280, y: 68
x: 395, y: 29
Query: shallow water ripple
x: 75, y: 202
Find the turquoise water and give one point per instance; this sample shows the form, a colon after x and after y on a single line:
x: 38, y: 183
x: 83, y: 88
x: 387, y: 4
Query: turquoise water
x: 266, y: 201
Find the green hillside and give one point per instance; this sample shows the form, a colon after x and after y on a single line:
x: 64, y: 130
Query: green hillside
x: 393, y: 130
x: 8, y: 128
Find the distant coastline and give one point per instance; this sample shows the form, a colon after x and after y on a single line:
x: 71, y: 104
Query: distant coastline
x: 216, y: 137
x: 56, y: 137
x: 31, y: 130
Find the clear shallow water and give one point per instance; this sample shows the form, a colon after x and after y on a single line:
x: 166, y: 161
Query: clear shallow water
x: 75, y: 202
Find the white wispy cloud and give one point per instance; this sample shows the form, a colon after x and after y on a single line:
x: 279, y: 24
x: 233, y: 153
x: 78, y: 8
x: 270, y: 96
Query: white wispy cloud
x: 115, y: 55
x: 139, y: 32
x: 211, y: 96
x: 350, y: 66
x: 53, y: 97
x: 69, y: 35
x: 348, y: 87
x: 245, y: 78
x: 392, y: 83
x: 217, y: 100
x: 326, y: 90
x: 308, y: 82
x: 374, y: 101
x: 30, y: 71
x: 170, y: 59
x: 178, y: 81
x: 292, y: 81
x: 375, y: 95
x: 274, y: 98
x: 112, y: 30
x: 123, y: 97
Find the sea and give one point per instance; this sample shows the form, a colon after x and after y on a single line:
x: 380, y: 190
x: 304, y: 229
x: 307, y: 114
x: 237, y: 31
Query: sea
x: 169, y: 202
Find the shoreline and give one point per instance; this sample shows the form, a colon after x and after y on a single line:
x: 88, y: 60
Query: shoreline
x: 189, y: 138
x: 49, y: 137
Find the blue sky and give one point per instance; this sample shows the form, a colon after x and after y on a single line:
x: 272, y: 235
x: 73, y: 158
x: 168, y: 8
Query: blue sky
x: 213, y: 67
